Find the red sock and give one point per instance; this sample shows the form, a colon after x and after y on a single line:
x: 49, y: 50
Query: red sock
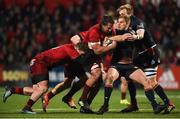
x: 50, y: 95
x: 17, y: 90
x: 85, y: 93
x: 123, y: 96
x: 30, y: 103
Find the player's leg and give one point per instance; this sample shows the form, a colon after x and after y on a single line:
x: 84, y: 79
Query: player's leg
x: 98, y: 84
x: 95, y: 74
x: 139, y: 76
x: 40, y: 79
x: 92, y: 94
x: 123, y: 87
x: 83, y: 101
x: 112, y: 75
x: 132, y: 92
x: 94, y: 90
x: 76, y: 86
x: 76, y: 70
x: 38, y: 90
x: 160, y: 92
x: 16, y: 90
x: 56, y: 90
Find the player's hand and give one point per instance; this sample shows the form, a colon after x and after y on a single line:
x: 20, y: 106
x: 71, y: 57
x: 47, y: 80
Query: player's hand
x: 107, y: 41
x: 127, y: 36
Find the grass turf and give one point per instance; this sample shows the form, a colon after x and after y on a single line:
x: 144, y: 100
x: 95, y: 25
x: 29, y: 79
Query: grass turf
x: 57, y: 109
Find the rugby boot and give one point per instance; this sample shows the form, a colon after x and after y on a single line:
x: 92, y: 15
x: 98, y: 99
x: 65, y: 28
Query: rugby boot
x: 103, y: 109
x: 159, y: 108
x: 7, y: 93
x: 130, y: 108
x: 169, y: 108
x: 70, y: 102
x: 45, y: 102
x: 124, y: 102
x: 85, y: 107
x: 27, y: 110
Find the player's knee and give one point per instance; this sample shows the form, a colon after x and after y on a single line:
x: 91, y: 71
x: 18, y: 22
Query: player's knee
x: 154, y: 83
x: 124, y: 82
x: 35, y: 88
x: 147, y: 84
x: 96, y: 74
x: 109, y: 79
x: 43, y: 89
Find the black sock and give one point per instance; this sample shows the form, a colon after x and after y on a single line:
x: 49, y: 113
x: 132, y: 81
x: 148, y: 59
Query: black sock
x: 159, y: 90
x: 132, y: 92
x: 107, y: 94
x: 73, y: 90
x: 85, y: 92
x: 77, y: 86
x: 94, y: 91
x: 123, y: 95
x: 151, y: 98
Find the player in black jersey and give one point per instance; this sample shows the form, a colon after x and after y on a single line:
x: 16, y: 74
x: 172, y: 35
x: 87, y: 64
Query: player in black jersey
x: 122, y: 65
x: 147, y: 58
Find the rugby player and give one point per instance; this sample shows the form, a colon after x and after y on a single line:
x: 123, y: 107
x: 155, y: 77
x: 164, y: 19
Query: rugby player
x: 39, y: 67
x: 95, y: 39
x: 147, y: 58
x: 122, y: 65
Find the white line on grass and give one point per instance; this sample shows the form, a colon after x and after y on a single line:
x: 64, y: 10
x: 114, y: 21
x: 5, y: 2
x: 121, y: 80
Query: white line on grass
x: 73, y: 110
x: 139, y: 95
x: 63, y: 109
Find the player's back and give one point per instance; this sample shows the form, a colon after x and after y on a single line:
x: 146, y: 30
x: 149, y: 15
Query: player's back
x: 147, y: 41
x: 57, y: 55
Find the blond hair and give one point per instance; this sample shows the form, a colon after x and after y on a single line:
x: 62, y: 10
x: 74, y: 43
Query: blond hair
x: 125, y: 18
x: 128, y: 7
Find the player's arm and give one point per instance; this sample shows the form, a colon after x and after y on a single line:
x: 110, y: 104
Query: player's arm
x: 98, y: 49
x: 140, y: 31
x: 120, y: 38
x: 139, y: 34
x: 75, y: 39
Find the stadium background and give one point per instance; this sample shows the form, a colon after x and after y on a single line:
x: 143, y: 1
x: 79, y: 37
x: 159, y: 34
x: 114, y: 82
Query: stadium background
x: 28, y: 27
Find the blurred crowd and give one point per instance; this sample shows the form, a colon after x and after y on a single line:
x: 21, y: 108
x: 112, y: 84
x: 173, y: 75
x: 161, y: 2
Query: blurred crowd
x: 31, y: 26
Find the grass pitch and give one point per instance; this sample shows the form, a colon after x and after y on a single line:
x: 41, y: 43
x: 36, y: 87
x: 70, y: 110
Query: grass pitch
x: 57, y: 109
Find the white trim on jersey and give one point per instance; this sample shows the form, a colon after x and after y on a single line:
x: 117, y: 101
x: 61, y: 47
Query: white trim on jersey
x: 146, y: 49
x: 95, y: 65
x: 90, y: 44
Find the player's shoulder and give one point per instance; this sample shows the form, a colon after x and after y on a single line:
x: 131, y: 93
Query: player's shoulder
x: 136, y: 20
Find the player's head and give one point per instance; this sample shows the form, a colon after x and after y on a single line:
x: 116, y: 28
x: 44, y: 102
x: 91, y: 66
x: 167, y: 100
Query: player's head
x: 106, y: 24
x: 125, y: 10
x: 82, y: 46
x: 122, y: 22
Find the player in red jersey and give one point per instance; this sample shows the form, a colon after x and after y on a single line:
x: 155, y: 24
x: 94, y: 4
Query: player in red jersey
x: 95, y: 40
x: 39, y: 67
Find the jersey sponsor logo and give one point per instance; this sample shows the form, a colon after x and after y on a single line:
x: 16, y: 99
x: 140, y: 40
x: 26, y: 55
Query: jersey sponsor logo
x: 32, y: 62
